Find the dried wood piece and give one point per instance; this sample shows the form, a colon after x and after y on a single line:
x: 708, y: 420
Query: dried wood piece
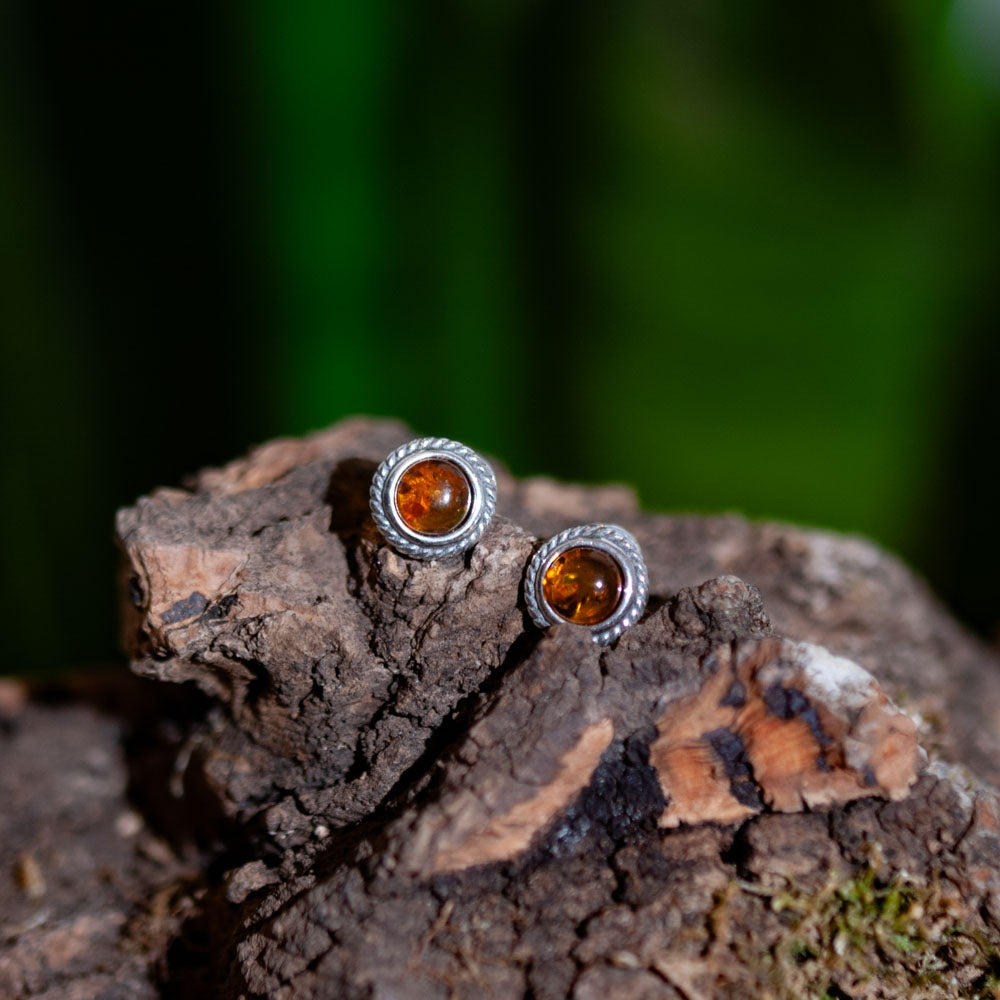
x: 415, y: 794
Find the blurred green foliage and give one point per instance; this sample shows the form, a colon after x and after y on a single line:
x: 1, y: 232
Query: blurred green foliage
x: 743, y: 257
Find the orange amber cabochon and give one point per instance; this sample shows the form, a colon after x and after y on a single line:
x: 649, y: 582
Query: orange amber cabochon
x: 433, y: 496
x: 584, y: 585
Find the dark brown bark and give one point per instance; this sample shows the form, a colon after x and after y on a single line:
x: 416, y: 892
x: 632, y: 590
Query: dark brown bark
x: 381, y: 781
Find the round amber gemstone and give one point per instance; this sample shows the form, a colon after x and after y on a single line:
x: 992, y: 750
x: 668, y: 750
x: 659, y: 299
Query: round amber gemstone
x: 583, y: 585
x: 433, y: 497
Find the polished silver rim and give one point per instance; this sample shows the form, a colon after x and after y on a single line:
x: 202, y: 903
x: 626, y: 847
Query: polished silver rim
x: 398, y: 533
x: 618, y: 544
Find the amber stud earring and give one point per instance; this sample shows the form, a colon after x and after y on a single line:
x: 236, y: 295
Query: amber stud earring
x: 592, y: 575
x: 433, y: 498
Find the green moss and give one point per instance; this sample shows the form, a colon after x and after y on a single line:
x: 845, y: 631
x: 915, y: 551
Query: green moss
x: 912, y: 939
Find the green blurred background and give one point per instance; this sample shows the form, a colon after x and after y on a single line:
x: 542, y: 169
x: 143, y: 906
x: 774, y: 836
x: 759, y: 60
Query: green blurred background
x: 742, y: 256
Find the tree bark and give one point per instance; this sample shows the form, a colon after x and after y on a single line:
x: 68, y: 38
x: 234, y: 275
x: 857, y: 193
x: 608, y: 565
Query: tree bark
x: 346, y: 773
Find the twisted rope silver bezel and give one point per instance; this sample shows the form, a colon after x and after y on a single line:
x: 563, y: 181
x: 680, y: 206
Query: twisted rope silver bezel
x: 617, y: 543
x: 400, y: 535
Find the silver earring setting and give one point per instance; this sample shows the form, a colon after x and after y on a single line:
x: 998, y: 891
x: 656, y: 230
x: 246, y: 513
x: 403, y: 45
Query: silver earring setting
x: 433, y: 498
x: 593, y: 576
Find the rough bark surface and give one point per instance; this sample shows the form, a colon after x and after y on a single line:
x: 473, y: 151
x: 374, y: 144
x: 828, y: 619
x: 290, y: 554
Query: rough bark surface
x: 351, y: 774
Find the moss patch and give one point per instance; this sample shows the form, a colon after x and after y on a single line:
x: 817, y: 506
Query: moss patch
x: 872, y: 937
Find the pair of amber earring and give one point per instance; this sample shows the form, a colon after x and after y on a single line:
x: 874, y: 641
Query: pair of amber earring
x: 433, y: 498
